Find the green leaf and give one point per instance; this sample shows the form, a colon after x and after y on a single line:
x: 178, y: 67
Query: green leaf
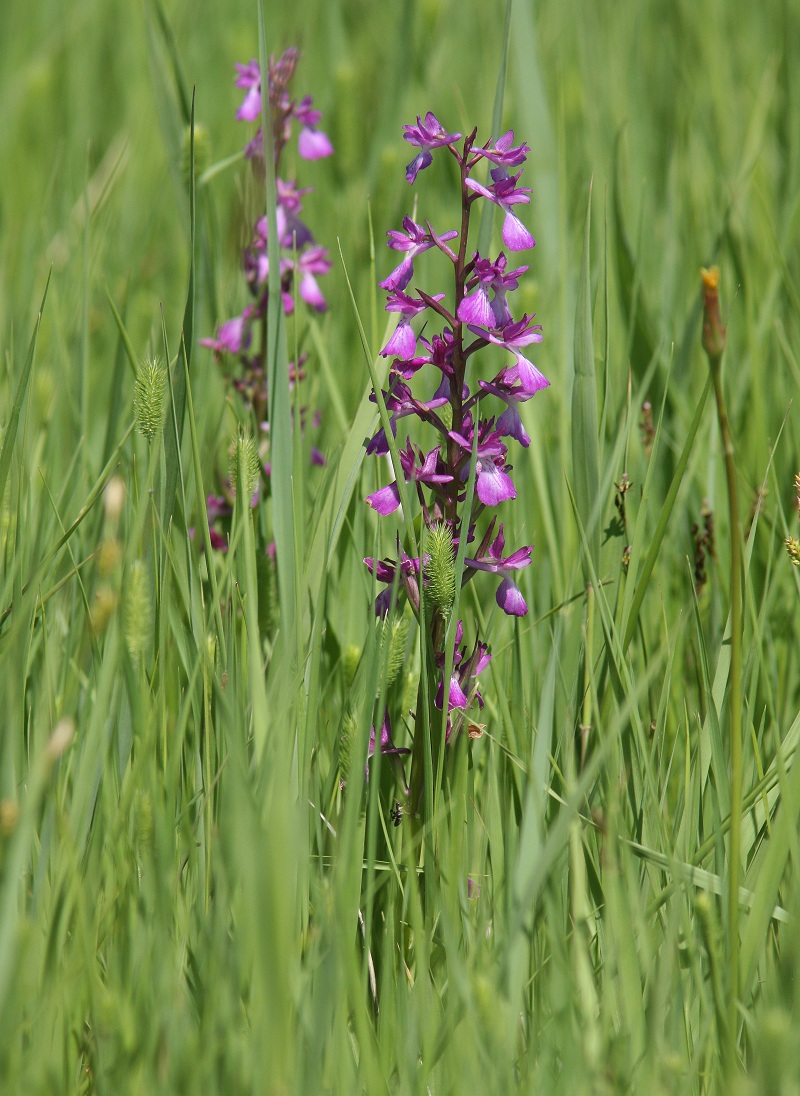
x: 11, y: 426
x: 173, y: 428
x: 585, y: 424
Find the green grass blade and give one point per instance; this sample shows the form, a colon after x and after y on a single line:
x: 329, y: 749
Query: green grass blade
x: 585, y: 425
x: 11, y: 426
x: 173, y: 428
x: 646, y: 570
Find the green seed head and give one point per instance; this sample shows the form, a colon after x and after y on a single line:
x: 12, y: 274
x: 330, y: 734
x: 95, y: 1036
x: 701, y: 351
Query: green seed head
x: 396, y: 633
x: 440, y: 568
x: 347, y: 745
x: 137, y: 608
x: 150, y: 397
x: 245, y: 467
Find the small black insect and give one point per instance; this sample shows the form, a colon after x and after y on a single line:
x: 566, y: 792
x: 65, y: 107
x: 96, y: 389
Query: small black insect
x: 396, y: 813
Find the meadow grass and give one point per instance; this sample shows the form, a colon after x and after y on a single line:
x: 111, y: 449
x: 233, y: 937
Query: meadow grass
x: 189, y: 900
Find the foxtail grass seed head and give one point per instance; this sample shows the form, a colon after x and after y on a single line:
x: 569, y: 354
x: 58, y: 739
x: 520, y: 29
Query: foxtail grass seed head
x: 103, y: 608
x: 137, y: 608
x: 714, y: 334
x: 397, y: 630
x: 110, y: 555
x: 150, y: 397
x: 440, y: 569
x: 245, y: 466
x: 60, y: 740
x: 268, y: 604
x: 347, y: 746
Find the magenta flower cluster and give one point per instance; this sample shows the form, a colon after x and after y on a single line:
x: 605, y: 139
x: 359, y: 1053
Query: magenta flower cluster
x: 302, y: 259
x: 242, y: 339
x: 462, y: 410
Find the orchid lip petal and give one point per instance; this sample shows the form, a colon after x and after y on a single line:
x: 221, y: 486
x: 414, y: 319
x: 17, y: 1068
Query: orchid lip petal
x: 475, y: 309
x: 515, y: 235
x: 494, y: 486
x: 509, y: 598
x: 385, y: 500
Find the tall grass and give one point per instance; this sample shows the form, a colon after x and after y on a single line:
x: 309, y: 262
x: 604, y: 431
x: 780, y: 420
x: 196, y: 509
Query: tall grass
x: 189, y: 900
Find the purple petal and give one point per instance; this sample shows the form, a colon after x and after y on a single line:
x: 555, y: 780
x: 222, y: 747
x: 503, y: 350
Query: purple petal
x: 400, y: 276
x: 250, y: 109
x: 218, y: 542
x: 510, y: 599
x: 310, y: 292
x: 457, y: 697
x: 518, y: 559
x: 479, y: 188
x: 515, y: 235
x: 386, y: 500
x: 232, y: 336
x: 484, y: 658
x: 476, y: 309
x: 248, y: 75
x: 402, y: 344
x: 493, y: 486
x: 509, y: 425
x: 528, y: 375
x: 379, y: 445
x: 422, y: 160
x: 313, y: 144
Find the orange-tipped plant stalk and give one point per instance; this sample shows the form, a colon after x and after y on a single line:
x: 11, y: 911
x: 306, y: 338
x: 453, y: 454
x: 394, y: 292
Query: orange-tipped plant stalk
x: 714, y: 340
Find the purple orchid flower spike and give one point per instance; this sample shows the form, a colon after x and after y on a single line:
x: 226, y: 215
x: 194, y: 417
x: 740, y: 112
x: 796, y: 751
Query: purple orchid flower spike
x: 300, y: 261
x: 512, y: 337
x: 505, y: 193
x: 508, y: 596
x: 425, y: 136
x: 312, y: 143
x: 480, y: 305
x: 416, y: 470
x: 413, y: 241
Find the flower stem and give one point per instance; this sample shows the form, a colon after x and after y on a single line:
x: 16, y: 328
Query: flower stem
x: 714, y: 340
